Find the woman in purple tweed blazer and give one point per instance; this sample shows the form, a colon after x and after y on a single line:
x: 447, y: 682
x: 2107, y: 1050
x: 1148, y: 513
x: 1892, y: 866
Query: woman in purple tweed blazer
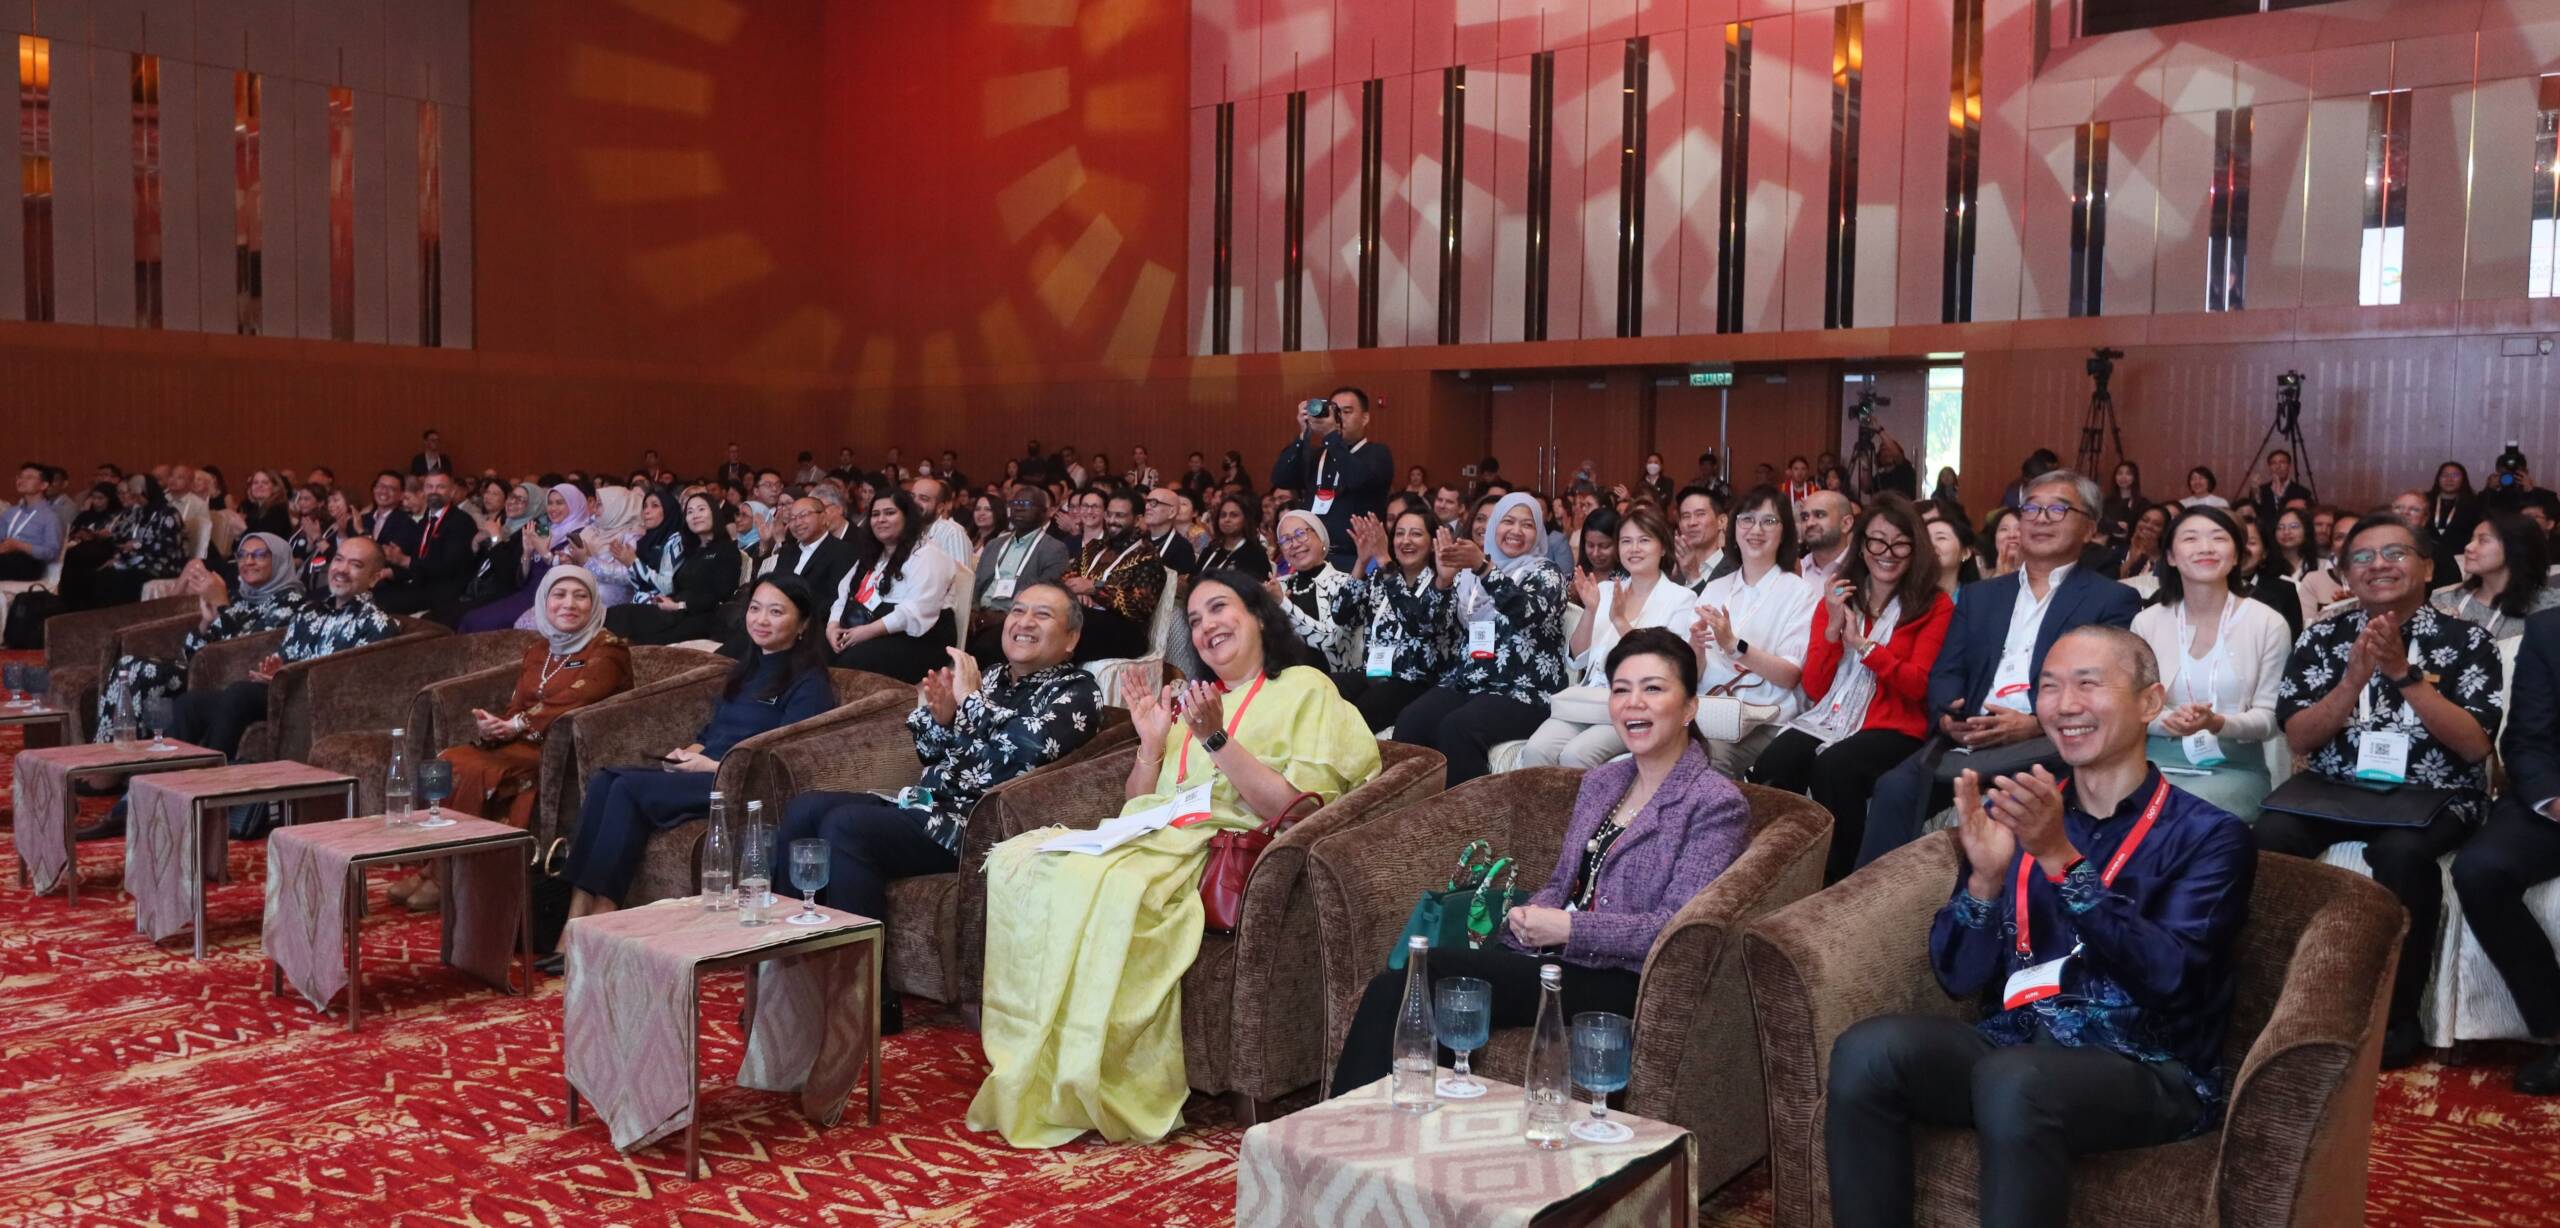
x: 1648, y: 834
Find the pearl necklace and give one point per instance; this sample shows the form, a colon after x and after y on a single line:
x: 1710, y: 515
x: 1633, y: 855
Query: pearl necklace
x: 550, y: 671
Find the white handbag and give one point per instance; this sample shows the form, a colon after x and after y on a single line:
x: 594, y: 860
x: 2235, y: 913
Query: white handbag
x: 1723, y: 718
x: 1582, y: 705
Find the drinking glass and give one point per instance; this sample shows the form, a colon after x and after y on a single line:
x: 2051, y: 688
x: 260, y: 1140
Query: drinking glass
x: 14, y: 676
x: 1462, y: 1011
x: 435, y: 783
x: 1602, y: 1056
x: 809, y: 874
x: 157, y: 713
x: 38, y: 680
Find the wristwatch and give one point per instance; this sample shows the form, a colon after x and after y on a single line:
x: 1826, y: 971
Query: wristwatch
x: 1215, y: 742
x: 1741, y: 649
x: 2410, y: 679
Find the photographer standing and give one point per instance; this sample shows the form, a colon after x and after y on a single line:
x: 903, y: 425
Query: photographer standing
x: 1336, y: 471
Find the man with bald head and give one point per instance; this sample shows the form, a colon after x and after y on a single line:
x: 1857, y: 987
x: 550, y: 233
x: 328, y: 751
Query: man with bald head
x: 1822, y: 536
x: 2096, y: 924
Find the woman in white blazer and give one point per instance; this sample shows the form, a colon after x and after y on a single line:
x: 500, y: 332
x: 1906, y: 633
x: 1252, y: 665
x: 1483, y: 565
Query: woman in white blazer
x: 2221, y: 655
x: 1578, y: 732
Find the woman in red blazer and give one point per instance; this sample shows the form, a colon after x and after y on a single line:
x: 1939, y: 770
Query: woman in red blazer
x: 1866, y: 675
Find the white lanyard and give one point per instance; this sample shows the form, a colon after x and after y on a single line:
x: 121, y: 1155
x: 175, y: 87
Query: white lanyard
x: 1105, y: 577
x: 2364, y: 698
x: 19, y: 521
x: 1017, y: 559
x: 2221, y: 646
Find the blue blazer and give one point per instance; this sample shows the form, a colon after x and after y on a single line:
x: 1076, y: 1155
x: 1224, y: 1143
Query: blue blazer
x: 1972, y: 652
x: 2531, y: 749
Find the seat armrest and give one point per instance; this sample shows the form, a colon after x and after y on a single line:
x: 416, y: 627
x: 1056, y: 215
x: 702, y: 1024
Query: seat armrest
x: 440, y: 719
x: 863, y: 745
x: 629, y: 729
x: 230, y: 661
x: 161, y: 639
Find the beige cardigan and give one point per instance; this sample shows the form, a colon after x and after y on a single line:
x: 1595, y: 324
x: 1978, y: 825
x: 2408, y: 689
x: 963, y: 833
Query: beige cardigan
x: 2260, y: 644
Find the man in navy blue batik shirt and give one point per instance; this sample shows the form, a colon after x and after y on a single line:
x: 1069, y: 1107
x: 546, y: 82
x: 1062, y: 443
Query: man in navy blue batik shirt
x: 2095, y: 919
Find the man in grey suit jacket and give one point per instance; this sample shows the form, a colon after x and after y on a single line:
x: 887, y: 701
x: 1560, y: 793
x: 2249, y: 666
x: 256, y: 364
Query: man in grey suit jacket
x: 1982, y: 688
x: 1025, y: 554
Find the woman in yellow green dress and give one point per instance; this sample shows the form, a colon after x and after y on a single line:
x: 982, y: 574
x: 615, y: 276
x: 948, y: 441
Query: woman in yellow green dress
x: 1085, y: 952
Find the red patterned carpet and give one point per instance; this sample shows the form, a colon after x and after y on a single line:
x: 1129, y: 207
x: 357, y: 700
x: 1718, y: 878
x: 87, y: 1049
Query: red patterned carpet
x: 138, y: 1087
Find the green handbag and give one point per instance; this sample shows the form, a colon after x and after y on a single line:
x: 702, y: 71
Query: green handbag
x: 1467, y: 911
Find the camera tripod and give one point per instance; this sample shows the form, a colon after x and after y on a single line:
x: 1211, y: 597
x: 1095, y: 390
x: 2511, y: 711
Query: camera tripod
x: 2099, y: 428
x: 2288, y: 423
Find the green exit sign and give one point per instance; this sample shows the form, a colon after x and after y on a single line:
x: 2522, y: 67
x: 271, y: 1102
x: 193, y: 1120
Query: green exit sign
x: 1711, y: 379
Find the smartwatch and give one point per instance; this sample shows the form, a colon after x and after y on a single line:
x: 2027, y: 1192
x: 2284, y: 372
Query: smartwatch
x: 1741, y: 649
x: 1215, y: 742
x: 2410, y: 679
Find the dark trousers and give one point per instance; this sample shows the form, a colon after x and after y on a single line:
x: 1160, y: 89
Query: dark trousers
x: 1465, y: 728
x: 1841, y: 777
x: 2031, y: 1108
x: 2516, y: 850
x: 871, y: 843
x: 907, y: 658
x: 19, y: 566
x: 621, y: 808
x: 1379, y: 699
x: 216, y: 719
x: 2402, y: 859
x: 1368, y: 1049
x: 1109, y: 634
x: 986, y: 644
x: 418, y: 598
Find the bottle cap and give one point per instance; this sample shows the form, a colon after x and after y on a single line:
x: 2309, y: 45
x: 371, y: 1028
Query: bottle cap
x: 398, y: 732
x: 1417, y: 943
x: 715, y: 795
x: 1550, y: 974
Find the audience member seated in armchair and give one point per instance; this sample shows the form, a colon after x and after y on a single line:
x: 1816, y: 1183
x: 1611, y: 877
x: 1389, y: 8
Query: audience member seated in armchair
x: 972, y: 735
x: 782, y: 681
x: 2106, y: 994
x: 1647, y: 835
x: 346, y: 619
x: 270, y: 592
x: 1083, y: 947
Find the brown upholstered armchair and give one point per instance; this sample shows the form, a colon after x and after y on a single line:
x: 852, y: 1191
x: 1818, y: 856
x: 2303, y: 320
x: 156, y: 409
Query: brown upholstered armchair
x: 1696, y: 1059
x: 2314, y: 975
x: 292, y: 714
x: 80, y: 647
x: 1252, y: 1001
x: 358, y: 697
x: 444, y: 712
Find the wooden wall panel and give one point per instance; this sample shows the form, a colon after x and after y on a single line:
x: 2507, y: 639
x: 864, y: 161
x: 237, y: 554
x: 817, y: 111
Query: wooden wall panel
x: 1774, y: 204
x: 2279, y: 202
x: 1887, y: 74
x: 111, y: 187
x: 1575, y: 196
x: 1399, y: 202
x: 2044, y: 270
x: 2186, y: 209
x: 2501, y: 201
x: 1701, y: 179
x: 1486, y: 148
x: 1201, y: 291
x: 461, y: 301
x: 181, y: 252
x: 1672, y: 145
x: 2006, y: 58
x: 81, y: 203
x: 1424, y: 172
x: 2333, y: 222
x: 1808, y: 169
x: 1508, y: 292
x: 2440, y: 189
x: 2133, y: 215
x: 1595, y: 217
x: 1928, y: 46
x: 398, y: 241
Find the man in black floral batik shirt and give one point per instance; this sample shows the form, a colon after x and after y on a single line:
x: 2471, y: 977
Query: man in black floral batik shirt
x: 2362, y: 686
x: 346, y: 618
x: 972, y: 735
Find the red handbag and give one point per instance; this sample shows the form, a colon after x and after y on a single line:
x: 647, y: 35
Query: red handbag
x: 1232, y: 856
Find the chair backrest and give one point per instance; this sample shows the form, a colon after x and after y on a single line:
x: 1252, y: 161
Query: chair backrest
x: 853, y: 684
x: 1168, y: 619
x: 653, y: 663
x: 2290, y: 899
x: 199, y: 534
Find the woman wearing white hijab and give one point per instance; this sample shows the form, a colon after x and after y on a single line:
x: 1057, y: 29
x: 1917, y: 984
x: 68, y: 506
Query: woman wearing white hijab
x: 578, y: 663
x: 1507, y: 629
x: 617, y: 519
x: 1309, y: 593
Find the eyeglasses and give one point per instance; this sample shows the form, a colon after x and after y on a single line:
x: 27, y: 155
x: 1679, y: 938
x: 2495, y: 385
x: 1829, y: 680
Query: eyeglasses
x: 2048, y: 513
x: 1896, y: 549
x: 2388, y: 554
x: 247, y: 555
x: 1301, y: 535
x: 1758, y: 522
x: 1025, y: 504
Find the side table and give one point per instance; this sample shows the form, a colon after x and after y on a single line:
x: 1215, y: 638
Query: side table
x: 631, y: 1014
x: 41, y: 726
x: 47, y: 808
x: 315, y: 897
x: 1356, y: 1159
x: 166, y: 818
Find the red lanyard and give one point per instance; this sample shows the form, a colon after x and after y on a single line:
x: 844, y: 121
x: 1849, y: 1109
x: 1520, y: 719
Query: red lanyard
x: 1182, y: 767
x: 2115, y: 864
x: 870, y: 584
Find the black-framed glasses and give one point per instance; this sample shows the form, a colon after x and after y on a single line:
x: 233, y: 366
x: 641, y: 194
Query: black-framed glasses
x: 2046, y: 513
x: 1894, y: 549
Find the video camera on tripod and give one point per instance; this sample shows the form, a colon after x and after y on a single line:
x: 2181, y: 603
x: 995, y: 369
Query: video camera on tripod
x: 2102, y: 365
x: 2288, y: 427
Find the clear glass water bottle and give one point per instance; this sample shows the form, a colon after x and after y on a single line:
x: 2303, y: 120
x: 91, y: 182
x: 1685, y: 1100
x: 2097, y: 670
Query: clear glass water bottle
x: 395, y: 783
x: 1548, y: 1085
x: 719, y: 859
x: 755, y: 869
x: 1417, y: 1051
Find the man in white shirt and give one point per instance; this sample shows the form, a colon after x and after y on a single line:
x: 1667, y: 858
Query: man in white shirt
x: 1982, y: 688
x: 808, y: 552
x: 1822, y: 537
x: 1701, y: 544
x: 941, y: 531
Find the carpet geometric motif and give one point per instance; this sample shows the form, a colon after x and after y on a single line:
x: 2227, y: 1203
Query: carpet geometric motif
x: 139, y: 1087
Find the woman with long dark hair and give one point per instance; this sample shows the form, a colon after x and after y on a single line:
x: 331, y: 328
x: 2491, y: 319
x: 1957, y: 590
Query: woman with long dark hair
x: 1577, y: 732
x: 2296, y: 554
x: 889, y: 614
x: 1951, y: 540
x: 2453, y: 507
x: 781, y: 680
x: 1399, y: 611
x: 1751, y: 622
x: 2222, y: 655
x: 1596, y: 545
x: 1874, y: 638
x: 1256, y: 729
x: 707, y: 573
x: 2144, y: 542
x: 2125, y: 501
x: 2506, y: 577
x: 1234, y: 543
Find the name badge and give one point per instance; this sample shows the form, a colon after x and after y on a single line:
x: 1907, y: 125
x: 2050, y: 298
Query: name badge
x: 1323, y: 502
x: 2202, y: 748
x: 2034, y: 984
x: 1480, y: 641
x: 1000, y: 589
x: 1382, y: 660
x: 1191, y: 805
x: 2382, y: 755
